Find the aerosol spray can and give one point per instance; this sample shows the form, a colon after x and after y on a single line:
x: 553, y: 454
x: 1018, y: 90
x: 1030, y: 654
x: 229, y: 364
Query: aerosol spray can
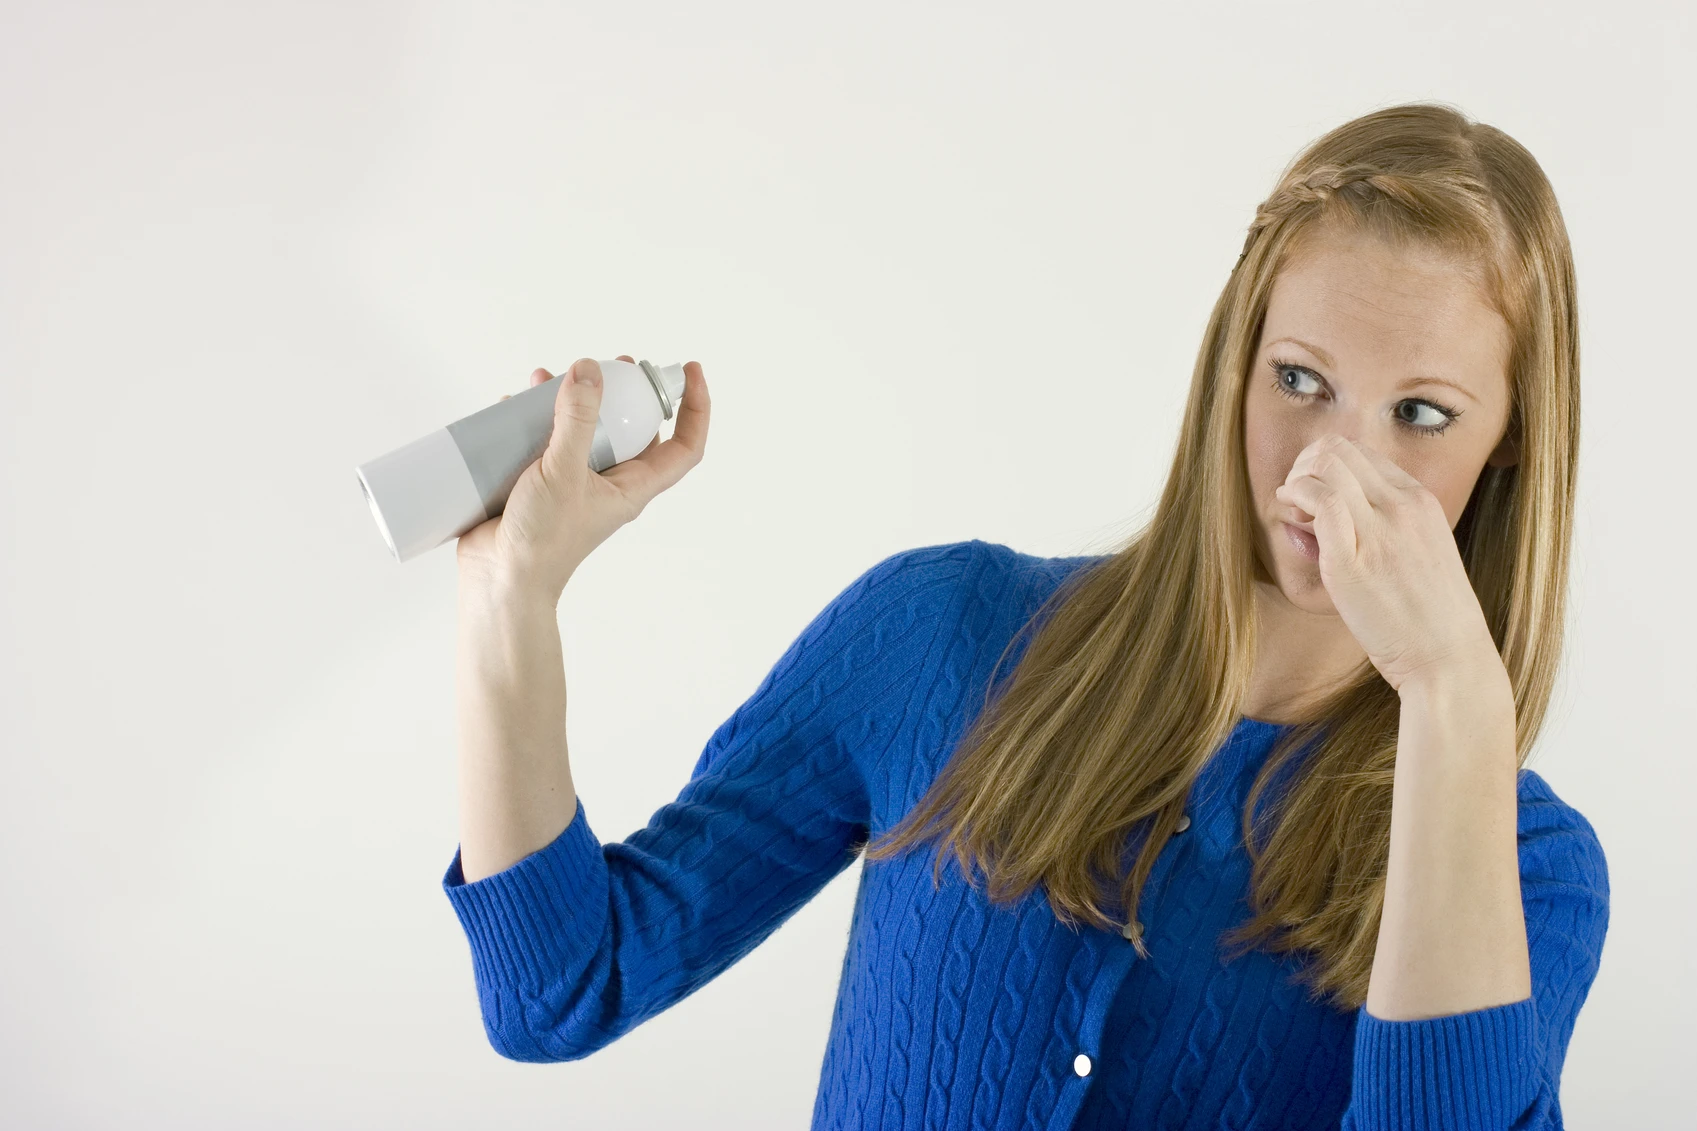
x: 442, y: 485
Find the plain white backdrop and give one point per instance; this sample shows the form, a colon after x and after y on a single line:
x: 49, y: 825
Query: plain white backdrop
x: 947, y: 268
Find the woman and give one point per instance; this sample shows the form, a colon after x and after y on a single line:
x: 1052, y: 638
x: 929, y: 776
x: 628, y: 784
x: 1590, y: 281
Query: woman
x: 1241, y: 833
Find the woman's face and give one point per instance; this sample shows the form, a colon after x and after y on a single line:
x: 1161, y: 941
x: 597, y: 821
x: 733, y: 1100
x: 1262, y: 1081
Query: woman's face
x: 1364, y: 336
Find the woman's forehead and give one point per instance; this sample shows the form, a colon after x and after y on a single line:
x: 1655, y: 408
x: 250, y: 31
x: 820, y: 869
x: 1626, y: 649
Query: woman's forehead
x: 1369, y: 300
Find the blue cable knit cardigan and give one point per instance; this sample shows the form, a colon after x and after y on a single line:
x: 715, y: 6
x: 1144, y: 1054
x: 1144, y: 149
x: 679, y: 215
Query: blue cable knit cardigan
x: 951, y: 1012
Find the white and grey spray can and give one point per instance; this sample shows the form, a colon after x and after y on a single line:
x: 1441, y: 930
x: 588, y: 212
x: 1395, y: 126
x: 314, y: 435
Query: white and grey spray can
x: 443, y: 484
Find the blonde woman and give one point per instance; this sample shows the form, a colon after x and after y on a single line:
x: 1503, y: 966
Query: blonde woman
x: 1224, y: 829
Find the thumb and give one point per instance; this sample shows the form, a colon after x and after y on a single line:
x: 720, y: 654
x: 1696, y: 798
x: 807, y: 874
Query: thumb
x: 577, y: 408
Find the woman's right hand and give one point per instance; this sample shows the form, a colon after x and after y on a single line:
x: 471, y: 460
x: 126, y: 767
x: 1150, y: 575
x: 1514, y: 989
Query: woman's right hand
x: 560, y: 510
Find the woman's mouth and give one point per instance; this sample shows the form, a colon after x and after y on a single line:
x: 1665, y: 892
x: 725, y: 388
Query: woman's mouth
x: 1306, y: 544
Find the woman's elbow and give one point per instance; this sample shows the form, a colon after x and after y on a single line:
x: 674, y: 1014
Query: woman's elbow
x: 528, y: 1030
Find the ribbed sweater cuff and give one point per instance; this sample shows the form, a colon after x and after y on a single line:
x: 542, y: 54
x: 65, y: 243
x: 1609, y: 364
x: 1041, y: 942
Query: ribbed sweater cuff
x: 1473, y: 1071
x: 541, y: 919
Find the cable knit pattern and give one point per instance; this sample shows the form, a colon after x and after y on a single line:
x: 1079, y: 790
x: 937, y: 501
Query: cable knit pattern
x: 953, y: 1013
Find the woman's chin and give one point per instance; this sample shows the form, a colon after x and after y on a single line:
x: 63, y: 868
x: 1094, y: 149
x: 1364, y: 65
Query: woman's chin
x: 1296, y: 578
x: 1299, y: 582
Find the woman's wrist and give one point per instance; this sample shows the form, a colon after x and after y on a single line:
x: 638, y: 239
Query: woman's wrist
x: 1481, y: 677
x: 497, y: 592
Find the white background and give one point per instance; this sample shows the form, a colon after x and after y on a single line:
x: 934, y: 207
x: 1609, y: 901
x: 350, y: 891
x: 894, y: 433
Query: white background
x: 947, y: 268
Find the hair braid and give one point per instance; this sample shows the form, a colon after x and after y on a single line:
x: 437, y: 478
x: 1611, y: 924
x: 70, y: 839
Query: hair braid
x: 1318, y: 186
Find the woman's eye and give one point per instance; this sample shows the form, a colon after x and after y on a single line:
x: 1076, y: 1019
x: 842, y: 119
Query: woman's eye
x: 1298, y: 375
x: 1409, y: 413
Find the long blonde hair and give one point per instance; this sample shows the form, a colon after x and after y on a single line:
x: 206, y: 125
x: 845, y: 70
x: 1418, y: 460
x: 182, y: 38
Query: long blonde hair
x: 1137, y: 665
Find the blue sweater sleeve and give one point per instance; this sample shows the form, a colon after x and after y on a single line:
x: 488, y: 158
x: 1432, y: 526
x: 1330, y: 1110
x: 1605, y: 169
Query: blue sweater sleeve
x: 579, y: 942
x: 1499, y: 1068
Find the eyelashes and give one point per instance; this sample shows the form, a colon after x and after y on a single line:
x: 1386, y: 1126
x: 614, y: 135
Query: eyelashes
x: 1450, y: 414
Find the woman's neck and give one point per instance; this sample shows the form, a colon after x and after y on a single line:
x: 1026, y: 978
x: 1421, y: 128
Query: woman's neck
x: 1301, y: 657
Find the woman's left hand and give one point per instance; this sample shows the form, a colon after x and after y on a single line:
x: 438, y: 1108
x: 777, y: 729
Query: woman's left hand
x: 1388, y: 560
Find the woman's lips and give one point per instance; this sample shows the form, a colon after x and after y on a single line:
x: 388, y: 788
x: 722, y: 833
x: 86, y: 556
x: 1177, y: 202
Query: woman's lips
x: 1306, y: 544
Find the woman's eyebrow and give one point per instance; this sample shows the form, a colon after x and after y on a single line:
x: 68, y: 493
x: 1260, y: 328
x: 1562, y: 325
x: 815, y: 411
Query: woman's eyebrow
x: 1326, y: 360
x: 1412, y: 382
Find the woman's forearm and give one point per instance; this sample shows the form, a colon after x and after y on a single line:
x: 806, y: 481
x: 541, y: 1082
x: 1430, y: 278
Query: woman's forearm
x: 515, y: 781
x: 1452, y: 937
